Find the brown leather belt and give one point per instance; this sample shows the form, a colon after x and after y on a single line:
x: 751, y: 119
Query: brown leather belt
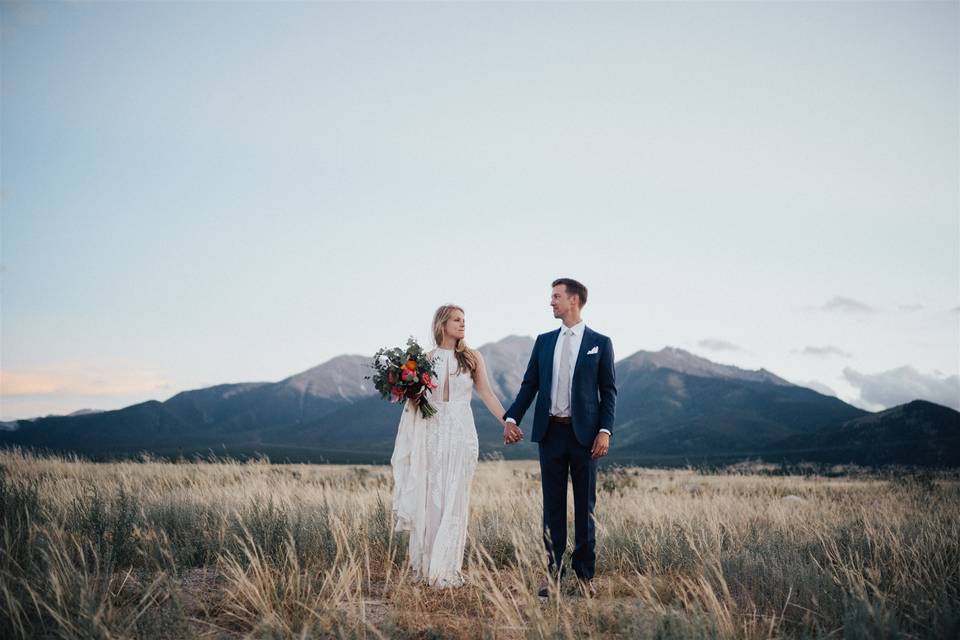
x: 561, y: 419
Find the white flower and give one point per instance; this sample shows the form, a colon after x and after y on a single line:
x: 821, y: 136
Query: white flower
x: 383, y: 361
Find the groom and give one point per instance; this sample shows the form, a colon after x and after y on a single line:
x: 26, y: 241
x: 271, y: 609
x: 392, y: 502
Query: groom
x: 571, y: 373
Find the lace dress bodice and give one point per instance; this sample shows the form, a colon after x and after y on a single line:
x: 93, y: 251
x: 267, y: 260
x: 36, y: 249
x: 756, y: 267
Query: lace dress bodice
x: 453, y: 386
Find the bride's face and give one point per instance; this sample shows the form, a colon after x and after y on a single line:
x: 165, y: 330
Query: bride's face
x: 455, y: 326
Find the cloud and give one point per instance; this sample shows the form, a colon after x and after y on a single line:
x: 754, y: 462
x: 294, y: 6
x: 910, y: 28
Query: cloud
x: 716, y: 344
x: 819, y: 387
x: 956, y: 309
x: 910, y: 307
x: 76, y: 379
x: 903, y: 384
x: 847, y: 305
x: 824, y: 351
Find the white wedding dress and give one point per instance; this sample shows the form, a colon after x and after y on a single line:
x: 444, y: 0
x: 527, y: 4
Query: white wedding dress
x: 433, y: 464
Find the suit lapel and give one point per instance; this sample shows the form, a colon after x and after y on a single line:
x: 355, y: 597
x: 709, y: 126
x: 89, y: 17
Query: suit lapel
x: 584, y: 347
x: 550, y: 351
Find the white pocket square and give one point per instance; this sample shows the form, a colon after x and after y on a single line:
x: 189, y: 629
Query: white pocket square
x: 593, y: 351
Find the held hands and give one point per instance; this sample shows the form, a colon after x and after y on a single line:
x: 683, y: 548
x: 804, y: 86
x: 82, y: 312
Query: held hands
x: 601, y: 445
x: 511, y: 433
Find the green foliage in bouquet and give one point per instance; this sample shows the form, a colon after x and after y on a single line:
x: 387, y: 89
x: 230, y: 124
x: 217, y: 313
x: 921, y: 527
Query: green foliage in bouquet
x: 401, y: 374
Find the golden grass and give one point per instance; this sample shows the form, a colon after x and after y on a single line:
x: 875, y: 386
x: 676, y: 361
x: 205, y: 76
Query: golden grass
x: 229, y: 549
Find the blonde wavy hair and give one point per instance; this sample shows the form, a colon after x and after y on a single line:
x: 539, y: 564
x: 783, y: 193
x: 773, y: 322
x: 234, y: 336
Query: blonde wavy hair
x: 466, y: 357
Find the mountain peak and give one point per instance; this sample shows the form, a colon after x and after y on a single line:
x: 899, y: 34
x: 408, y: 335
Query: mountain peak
x: 513, y: 337
x: 339, y: 377
x: 685, y: 362
x: 912, y: 412
x: 506, y: 362
x: 81, y: 412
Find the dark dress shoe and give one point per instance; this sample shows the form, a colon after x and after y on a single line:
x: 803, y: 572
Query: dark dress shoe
x: 544, y: 589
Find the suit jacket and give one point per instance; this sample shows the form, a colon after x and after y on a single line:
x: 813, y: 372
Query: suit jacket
x: 593, y: 393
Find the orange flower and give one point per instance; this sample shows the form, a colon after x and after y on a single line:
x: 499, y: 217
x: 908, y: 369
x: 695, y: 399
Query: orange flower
x: 411, y: 364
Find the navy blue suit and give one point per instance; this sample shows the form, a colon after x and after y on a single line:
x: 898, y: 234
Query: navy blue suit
x: 565, y: 449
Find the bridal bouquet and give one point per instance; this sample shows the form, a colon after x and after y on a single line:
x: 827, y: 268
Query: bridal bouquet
x: 403, y: 373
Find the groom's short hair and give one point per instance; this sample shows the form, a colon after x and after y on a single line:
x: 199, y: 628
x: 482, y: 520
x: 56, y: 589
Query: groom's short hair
x: 573, y: 287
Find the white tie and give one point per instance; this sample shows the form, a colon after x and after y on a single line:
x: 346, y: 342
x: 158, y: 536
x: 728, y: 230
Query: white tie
x: 563, y: 376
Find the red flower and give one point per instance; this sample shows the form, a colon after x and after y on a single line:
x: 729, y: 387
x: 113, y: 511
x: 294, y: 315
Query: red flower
x: 391, y: 378
x: 427, y: 380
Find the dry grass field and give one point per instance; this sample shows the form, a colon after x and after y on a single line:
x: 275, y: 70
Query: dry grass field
x: 223, y: 549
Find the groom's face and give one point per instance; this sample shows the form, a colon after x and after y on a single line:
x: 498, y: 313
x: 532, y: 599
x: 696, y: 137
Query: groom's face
x: 560, y: 301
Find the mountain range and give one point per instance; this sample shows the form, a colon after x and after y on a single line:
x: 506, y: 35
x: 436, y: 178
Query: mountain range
x: 673, y: 408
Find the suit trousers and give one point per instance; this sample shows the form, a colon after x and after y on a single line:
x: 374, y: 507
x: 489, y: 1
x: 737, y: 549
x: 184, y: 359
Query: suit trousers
x: 562, y: 456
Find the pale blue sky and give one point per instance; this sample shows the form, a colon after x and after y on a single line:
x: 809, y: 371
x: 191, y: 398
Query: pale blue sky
x: 197, y: 193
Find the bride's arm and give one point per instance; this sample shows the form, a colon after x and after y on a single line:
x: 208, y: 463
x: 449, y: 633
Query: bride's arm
x: 485, y: 391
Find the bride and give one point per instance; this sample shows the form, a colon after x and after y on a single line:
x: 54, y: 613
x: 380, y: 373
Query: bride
x: 434, y: 458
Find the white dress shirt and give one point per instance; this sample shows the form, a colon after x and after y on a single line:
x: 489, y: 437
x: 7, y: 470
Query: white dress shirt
x: 575, y: 341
